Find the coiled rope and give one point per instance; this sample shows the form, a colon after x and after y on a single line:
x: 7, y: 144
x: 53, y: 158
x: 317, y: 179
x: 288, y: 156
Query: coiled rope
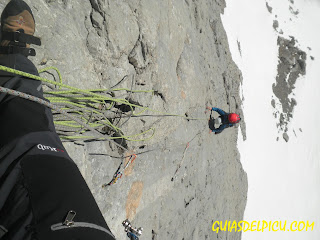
x: 77, y: 111
x: 82, y: 110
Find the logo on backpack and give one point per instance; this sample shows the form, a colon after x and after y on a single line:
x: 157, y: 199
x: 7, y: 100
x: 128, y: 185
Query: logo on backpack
x: 52, y: 149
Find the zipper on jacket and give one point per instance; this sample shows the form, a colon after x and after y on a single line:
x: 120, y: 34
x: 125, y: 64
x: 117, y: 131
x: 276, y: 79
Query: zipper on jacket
x: 69, y: 218
x: 69, y: 223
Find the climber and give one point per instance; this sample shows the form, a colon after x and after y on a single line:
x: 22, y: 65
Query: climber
x: 227, y: 120
x: 42, y: 192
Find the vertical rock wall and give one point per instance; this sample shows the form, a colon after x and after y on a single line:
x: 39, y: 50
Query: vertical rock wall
x: 180, y: 50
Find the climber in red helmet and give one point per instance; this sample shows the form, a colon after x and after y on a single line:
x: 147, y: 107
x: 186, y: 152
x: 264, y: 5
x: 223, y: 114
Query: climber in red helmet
x: 227, y: 120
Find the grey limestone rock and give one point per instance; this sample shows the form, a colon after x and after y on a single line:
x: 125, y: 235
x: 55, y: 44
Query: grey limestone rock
x: 285, y: 137
x: 269, y: 7
x: 275, y: 24
x: 291, y: 66
x: 180, y: 50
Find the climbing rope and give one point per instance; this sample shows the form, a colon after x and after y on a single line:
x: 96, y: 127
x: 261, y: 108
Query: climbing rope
x: 87, y: 106
x: 50, y: 105
x: 77, y: 112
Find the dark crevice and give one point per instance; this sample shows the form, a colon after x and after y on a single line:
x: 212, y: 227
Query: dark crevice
x: 159, y: 94
x: 186, y: 114
x: 125, y: 107
x: 186, y: 203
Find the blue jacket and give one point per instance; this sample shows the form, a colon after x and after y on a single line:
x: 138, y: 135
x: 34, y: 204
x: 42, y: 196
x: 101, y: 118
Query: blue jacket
x: 225, y: 121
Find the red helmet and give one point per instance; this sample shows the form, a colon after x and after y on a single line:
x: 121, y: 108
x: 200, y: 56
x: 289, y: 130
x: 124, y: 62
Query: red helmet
x: 234, y: 118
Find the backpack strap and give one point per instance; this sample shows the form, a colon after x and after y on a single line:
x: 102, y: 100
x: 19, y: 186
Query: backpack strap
x: 20, y: 37
x: 16, y: 49
x: 18, y: 43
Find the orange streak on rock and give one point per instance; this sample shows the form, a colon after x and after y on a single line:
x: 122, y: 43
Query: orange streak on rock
x: 133, y: 199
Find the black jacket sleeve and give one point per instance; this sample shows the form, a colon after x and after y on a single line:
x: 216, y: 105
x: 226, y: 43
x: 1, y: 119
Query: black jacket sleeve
x: 42, y: 193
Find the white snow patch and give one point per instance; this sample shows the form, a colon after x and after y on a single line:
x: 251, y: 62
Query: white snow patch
x: 284, y: 178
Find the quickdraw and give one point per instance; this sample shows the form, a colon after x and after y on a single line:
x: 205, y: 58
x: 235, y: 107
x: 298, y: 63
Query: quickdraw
x: 118, y: 174
x: 132, y: 233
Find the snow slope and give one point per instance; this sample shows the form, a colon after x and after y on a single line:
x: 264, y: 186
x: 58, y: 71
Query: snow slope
x: 284, y: 177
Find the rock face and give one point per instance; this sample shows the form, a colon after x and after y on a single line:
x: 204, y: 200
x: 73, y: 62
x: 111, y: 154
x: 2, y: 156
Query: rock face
x: 180, y: 50
x: 291, y: 66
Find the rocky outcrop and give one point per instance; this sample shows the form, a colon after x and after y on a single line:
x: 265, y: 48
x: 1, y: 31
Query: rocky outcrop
x: 180, y: 50
x: 291, y: 66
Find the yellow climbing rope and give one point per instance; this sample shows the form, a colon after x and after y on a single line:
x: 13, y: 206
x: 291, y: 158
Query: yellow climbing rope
x: 89, y: 107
